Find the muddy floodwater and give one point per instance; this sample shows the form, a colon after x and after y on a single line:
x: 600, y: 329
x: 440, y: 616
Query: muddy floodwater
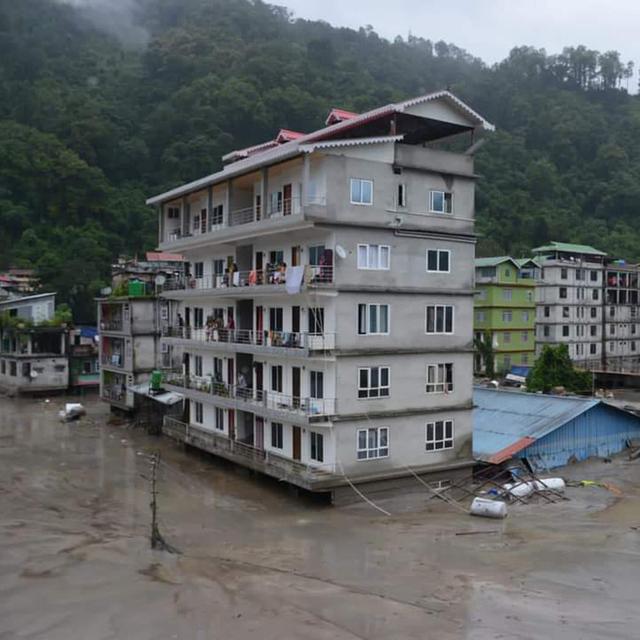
x: 258, y: 562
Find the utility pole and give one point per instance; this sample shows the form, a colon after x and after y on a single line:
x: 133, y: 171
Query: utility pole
x: 157, y: 541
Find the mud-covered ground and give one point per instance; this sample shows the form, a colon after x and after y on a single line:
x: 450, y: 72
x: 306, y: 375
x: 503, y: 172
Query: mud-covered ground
x: 257, y: 562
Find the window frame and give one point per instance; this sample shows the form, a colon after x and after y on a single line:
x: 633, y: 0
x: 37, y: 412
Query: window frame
x: 198, y: 412
x: 438, y: 258
x: 367, y: 328
x: 362, y: 181
x: 316, y: 438
x: 369, y: 452
x: 444, y: 320
x: 379, y: 263
x: 441, y: 384
x: 380, y: 388
x: 444, y: 193
x: 447, y: 442
x: 277, y: 435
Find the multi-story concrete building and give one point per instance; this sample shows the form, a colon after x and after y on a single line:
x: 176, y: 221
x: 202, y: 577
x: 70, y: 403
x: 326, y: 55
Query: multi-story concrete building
x: 569, y: 300
x: 33, y: 346
x: 621, y: 330
x: 129, y: 329
x: 505, y: 310
x: 326, y: 317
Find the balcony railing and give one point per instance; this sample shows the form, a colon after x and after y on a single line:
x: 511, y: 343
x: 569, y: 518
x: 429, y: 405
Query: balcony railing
x: 218, y: 443
x: 113, y: 359
x: 274, y: 339
x: 114, y: 392
x: 246, y: 215
x: 312, y: 275
x: 259, y: 398
x: 111, y: 324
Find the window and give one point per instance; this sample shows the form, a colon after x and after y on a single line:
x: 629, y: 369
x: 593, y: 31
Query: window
x: 525, y: 336
x: 525, y: 316
x: 612, y: 312
x: 612, y: 329
x: 439, y: 378
x: 198, y: 317
x: 198, y: 269
x: 547, y: 312
x: 374, y: 256
x: 580, y: 293
x: 440, y: 202
x: 173, y: 212
x: 275, y: 202
x: 197, y: 365
x: 3, y: 367
x: 316, y: 384
x: 579, y: 349
x: 198, y: 412
x: 438, y: 260
x: 594, y: 330
x: 402, y: 195
x: 373, y: 382
x: 276, y: 378
x: 373, y: 443
x: 317, y: 446
x: 563, y: 293
x: 439, y: 435
x: 633, y: 345
x: 217, y: 215
x: 565, y: 330
x: 565, y: 312
x: 579, y: 330
x: 487, y: 272
x: 506, y: 337
x: 507, y: 294
x: 481, y: 294
x: 361, y: 191
x: 506, y: 363
x: 275, y: 319
x: 595, y: 295
x: 219, y: 419
x: 373, y: 319
x: 564, y: 274
x: 439, y: 319
x: 525, y: 358
x: 507, y: 316
x: 592, y: 349
x: 594, y: 312
x: 545, y: 331
x: 13, y: 368
x: 579, y: 274
x: 276, y: 435
x: 480, y: 316
x: 26, y: 369
x: 593, y: 276
x: 316, y: 320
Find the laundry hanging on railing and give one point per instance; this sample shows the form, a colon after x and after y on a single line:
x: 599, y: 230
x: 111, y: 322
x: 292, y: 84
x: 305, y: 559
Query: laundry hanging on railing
x: 294, y: 279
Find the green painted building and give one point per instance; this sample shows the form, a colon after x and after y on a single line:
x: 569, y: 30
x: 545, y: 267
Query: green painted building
x: 505, y: 310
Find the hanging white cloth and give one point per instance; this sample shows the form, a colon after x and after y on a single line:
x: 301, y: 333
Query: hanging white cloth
x: 294, y: 279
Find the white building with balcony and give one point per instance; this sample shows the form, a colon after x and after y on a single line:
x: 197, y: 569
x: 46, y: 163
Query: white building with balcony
x: 326, y: 312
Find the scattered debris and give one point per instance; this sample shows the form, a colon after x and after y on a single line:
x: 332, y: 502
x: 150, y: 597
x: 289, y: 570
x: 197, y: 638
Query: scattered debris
x: 475, y: 533
x: 488, y: 508
x: 72, y: 411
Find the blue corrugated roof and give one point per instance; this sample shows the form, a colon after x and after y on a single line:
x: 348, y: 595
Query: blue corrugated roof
x: 506, y: 421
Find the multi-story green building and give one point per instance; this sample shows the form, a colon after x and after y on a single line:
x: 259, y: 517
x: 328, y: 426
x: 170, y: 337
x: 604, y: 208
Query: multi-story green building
x: 505, y: 310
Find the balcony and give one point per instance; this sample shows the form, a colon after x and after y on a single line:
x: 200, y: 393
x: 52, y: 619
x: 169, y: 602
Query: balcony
x: 271, y: 279
x: 272, y: 464
x: 258, y: 400
x: 115, y: 393
x: 284, y: 210
x: 255, y: 341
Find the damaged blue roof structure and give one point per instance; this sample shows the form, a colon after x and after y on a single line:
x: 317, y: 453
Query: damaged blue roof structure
x: 547, y: 431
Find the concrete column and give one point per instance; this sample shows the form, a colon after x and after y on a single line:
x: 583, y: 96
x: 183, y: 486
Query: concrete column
x: 264, y: 192
x: 186, y: 216
x: 161, y: 225
x: 306, y: 171
x: 228, y: 203
x: 209, y: 207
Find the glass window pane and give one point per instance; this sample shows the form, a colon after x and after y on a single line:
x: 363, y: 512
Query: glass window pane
x: 362, y: 439
x: 444, y: 261
x: 375, y: 377
x: 384, y: 376
x: 363, y: 378
x: 384, y: 437
x: 367, y: 191
x: 449, y: 320
x: 362, y: 319
x: 373, y: 319
x: 373, y: 438
x: 384, y: 318
x: 373, y: 256
x: 439, y: 430
x: 439, y: 319
x: 432, y: 260
x: 430, y: 431
x: 362, y: 256
x: 355, y: 190
x: 384, y: 257
x: 437, y: 201
x: 431, y: 327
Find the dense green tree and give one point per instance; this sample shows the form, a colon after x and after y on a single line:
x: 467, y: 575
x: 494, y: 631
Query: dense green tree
x: 100, y: 107
x: 553, y: 368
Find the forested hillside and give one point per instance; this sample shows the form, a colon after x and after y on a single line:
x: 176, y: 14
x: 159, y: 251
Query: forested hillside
x: 101, y: 108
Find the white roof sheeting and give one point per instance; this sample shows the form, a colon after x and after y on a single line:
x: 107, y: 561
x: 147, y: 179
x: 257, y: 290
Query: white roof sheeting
x: 293, y: 148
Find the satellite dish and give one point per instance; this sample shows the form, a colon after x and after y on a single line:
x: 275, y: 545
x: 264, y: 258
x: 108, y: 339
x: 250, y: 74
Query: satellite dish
x: 340, y: 251
x: 33, y: 374
x: 160, y: 279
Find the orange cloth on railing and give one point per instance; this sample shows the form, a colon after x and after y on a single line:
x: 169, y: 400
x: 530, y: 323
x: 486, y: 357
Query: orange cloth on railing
x: 253, y: 278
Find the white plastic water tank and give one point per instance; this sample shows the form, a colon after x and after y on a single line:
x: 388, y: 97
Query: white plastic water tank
x: 488, y: 508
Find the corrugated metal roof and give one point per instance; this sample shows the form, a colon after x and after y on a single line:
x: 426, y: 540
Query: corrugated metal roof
x: 291, y: 149
x: 504, y: 422
x: 350, y: 142
x: 569, y: 248
x: 494, y: 261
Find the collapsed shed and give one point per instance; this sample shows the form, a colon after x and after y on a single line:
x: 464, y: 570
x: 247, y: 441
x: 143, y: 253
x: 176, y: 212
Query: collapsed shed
x: 547, y: 431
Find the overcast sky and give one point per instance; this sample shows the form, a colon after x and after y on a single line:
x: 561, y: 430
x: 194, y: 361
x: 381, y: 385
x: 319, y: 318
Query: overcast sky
x: 490, y: 28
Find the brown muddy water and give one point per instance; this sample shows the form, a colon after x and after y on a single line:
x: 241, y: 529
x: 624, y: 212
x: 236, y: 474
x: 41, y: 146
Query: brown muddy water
x: 257, y: 562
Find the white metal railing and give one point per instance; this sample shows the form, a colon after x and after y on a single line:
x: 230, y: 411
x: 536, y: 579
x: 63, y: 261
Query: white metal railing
x: 214, y: 333
x: 273, y: 276
x: 212, y: 441
x: 114, y: 392
x: 261, y: 398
